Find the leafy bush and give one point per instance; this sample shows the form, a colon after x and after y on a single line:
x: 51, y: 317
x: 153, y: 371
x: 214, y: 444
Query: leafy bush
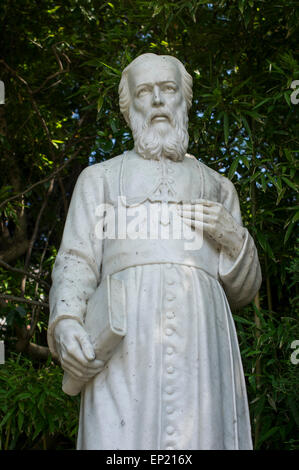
x: 274, y: 398
x: 34, y: 412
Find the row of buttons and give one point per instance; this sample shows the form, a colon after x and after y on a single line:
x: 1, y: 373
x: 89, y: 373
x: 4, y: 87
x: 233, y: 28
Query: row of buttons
x: 170, y: 369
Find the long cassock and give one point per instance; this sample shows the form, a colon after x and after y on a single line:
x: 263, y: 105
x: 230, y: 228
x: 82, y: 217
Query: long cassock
x: 176, y: 380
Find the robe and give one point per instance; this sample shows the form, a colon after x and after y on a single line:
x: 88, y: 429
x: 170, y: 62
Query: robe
x: 176, y: 379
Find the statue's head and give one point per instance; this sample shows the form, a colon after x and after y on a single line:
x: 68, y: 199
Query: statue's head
x: 155, y: 94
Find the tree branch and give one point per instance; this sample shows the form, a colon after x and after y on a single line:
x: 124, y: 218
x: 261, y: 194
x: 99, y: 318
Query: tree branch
x: 44, y: 180
x: 39, y: 352
x: 22, y: 271
x: 56, y: 74
x: 13, y: 298
x: 14, y: 251
x: 34, y: 235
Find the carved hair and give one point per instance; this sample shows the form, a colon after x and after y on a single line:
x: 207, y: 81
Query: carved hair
x: 124, y: 92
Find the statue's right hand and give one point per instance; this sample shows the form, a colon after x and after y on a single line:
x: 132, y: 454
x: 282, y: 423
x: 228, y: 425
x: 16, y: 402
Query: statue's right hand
x: 75, y: 350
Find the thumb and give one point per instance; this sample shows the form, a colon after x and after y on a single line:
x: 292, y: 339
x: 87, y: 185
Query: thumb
x: 87, y: 348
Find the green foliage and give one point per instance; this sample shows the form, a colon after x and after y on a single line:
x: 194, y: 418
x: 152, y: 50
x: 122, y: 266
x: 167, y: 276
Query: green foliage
x: 34, y: 411
x: 275, y: 399
x: 61, y: 63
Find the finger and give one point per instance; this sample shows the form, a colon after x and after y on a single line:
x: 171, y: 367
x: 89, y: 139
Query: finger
x: 74, y: 372
x: 191, y: 215
x: 204, y: 202
x: 95, y: 364
x: 86, y: 347
x: 205, y: 227
x: 78, y: 358
x: 80, y: 369
x: 194, y: 224
x: 200, y: 218
x: 199, y: 210
x: 75, y: 353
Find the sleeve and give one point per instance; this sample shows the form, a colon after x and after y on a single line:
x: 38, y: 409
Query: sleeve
x: 76, y: 272
x: 241, y: 277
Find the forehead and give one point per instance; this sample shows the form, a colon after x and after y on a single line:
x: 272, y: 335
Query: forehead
x: 153, y: 71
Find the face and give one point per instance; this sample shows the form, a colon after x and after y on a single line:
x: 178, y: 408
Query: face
x: 158, y: 110
x: 156, y: 93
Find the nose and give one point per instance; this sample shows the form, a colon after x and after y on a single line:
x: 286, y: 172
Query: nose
x: 157, y: 98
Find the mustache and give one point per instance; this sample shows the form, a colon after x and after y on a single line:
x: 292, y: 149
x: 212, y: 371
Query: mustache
x: 158, y: 113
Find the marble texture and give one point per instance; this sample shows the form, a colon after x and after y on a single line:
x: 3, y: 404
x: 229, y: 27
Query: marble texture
x: 176, y: 380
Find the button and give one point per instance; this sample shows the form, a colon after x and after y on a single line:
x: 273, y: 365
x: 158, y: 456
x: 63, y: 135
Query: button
x: 169, y: 410
x: 170, y: 315
x: 170, y: 297
x: 169, y: 350
x: 170, y: 370
x: 170, y: 282
x: 170, y: 430
x: 169, y: 331
x: 169, y: 390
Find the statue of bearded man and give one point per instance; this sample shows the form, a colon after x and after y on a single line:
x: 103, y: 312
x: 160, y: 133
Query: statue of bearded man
x: 175, y: 381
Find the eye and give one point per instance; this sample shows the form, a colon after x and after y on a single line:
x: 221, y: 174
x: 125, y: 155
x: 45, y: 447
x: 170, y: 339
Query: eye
x: 142, y: 92
x: 169, y: 88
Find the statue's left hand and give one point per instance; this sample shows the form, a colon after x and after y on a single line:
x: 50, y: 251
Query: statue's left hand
x: 217, y: 223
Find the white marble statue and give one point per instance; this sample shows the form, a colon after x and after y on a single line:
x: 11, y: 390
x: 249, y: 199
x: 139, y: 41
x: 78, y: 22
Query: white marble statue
x: 175, y: 381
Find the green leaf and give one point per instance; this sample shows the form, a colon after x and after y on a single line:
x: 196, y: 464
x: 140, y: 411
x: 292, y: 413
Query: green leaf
x: 20, y: 420
x: 226, y: 127
x: 287, y: 98
x: 288, y: 154
x: 253, y: 353
x: 246, y: 125
x: 295, y: 217
x: 38, y: 428
x: 294, y: 409
x: 117, y: 72
x: 100, y: 103
x: 23, y: 395
x: 288, y: 232
x: 113, y: 127
x: 264, y: 184
x: 268, y: 434
x: 7, y: 417
x: 280, y: 195
x: 260, y: 406
x: 242, y: 320
x: 233, y: 168
x: 272, y: 402
x: 245, y: 161
x: 157, y: 10
x: 261, y: 103
x: 289, y: 183
x: 264, y: 244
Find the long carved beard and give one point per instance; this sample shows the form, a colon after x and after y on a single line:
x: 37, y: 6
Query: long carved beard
x: 154, y: 143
